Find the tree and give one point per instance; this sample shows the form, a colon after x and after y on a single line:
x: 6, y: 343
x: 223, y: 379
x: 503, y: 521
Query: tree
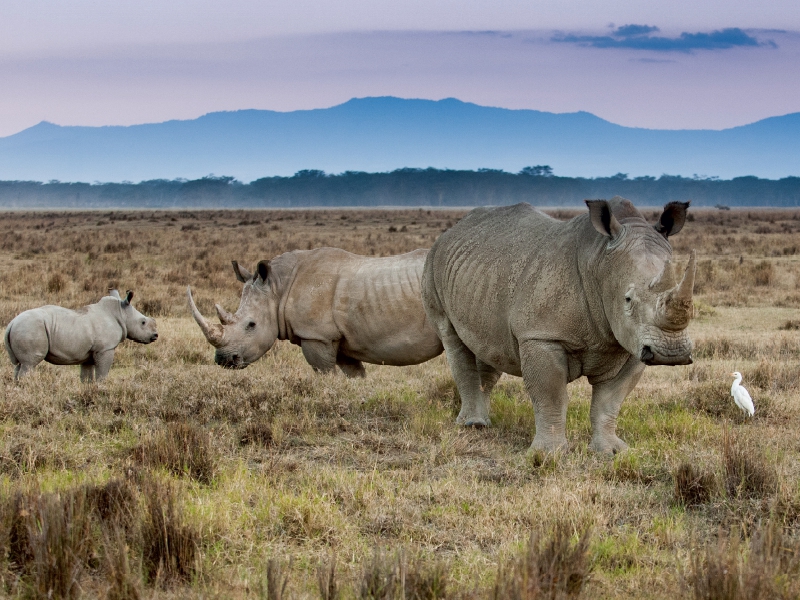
x: 538, y: 171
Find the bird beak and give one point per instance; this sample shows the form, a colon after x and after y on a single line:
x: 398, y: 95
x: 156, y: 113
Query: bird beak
x: 731, y: 374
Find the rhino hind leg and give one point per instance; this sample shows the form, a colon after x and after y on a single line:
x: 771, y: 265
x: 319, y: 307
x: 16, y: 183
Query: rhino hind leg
x: 87, y: 372
x: 350, y: 366
x: 545, y: 372
x: 23, y: 369
x: 320, y: 355
x: 489, y: 377
x: 464, y: 367
x: 607, y: 399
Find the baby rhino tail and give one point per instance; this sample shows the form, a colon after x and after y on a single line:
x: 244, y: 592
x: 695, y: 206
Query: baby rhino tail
x: 7, y: 339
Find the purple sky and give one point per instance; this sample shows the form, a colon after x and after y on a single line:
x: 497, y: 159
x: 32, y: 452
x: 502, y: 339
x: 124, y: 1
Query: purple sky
x: 94, y: 62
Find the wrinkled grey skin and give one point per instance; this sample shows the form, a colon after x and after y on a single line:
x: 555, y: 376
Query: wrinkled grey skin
x: 86, y: 337
x: 342, y: 309
x: 512, y: 290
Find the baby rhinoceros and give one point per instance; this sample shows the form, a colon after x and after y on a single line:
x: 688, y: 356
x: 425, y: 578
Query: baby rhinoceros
x: 87, y: 336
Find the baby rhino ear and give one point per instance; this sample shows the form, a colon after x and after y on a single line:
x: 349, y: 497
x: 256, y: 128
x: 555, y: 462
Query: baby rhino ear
x: 127, y: 301
x: 114, y: 293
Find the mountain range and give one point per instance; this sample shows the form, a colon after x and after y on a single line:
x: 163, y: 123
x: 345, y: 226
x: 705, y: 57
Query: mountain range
x: 386, y: 133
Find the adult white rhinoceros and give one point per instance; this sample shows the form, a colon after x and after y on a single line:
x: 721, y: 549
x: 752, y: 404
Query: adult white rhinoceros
x: 340, y: 308
x: 512, y: 290
x: 87, y: 336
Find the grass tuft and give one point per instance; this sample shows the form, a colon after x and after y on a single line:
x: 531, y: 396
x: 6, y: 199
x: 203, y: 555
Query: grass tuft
x: 748, y: 472
x: 181, y: 448
x: 169, y: 545
x: 692, y: 486
x: 276, y: 578
x: 327, y: 583
x: 554, y: 567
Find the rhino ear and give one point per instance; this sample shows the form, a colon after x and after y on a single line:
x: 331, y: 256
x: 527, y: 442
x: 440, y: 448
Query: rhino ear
x: 602, y: 218
x: 672, y: 219
x: 114, y: 293
x: 128, y: 297
x: 242, y: 274
x: 264, y: 271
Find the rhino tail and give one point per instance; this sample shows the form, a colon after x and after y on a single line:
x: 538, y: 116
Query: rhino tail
x: 7, y: 340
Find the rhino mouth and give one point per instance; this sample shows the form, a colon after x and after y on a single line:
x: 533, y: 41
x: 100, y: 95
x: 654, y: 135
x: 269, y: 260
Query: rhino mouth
x: 651, y: 358
x: 666, y: 348
x: 227, y: 361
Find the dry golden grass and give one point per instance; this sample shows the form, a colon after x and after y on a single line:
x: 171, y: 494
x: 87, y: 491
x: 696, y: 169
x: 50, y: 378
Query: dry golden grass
x: 194, y: 481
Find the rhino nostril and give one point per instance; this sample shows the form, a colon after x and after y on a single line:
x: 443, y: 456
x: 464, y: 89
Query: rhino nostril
x: 647, y: 354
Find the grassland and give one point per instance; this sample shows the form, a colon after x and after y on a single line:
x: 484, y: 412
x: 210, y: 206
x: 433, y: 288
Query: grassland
x: 176, y: 478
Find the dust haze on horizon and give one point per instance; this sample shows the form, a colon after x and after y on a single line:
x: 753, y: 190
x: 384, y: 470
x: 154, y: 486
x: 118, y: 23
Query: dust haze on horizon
x: 667, y: 65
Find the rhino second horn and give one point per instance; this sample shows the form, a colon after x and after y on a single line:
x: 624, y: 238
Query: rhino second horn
x: 664, y: 280
x: 225, y: 317
x: 211, y: 332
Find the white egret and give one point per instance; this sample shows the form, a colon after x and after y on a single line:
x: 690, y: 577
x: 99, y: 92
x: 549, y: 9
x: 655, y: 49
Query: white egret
x: 741, y: 396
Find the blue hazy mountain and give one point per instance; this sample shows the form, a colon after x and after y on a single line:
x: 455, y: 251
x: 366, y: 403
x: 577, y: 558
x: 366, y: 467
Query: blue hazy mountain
x: 383, y: 134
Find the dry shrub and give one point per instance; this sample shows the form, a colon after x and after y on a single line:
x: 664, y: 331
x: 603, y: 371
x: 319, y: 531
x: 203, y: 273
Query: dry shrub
x: 554, y: 567
x: 790, y: 325
x: 56, y: 283
x: 713, y: 398
x: 116, y: 502
x: 153, y: 307
x: 426, y: 581
x: 181, y: 448
x: 326, y: 580
x: 49, y: 542
x: 381, y: 578
x: 760, y: 274
x: 748, y: 473
x: 257, y: 433
x: 169, y: 546
x: 772, y: 375
x: 692, y: 486
x: 766, y: 569
x: 273, y: 587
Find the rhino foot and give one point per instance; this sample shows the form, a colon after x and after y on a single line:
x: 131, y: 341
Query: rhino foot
x: 475, y: 421
x: 549, y: 444
x: 607, y: 445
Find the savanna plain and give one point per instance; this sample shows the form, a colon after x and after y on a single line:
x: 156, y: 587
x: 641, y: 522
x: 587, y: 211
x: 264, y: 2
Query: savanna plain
x: 177, y: 478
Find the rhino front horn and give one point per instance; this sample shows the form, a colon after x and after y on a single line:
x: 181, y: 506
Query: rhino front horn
x: 676, y: 310
x: 212, y: 333
x: 686, y: 286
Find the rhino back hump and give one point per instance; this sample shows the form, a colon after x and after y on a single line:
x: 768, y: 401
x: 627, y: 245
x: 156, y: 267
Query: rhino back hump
x: 507, y: 274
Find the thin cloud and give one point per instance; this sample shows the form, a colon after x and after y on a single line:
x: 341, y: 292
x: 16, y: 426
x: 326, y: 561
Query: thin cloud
x: 637, y: 37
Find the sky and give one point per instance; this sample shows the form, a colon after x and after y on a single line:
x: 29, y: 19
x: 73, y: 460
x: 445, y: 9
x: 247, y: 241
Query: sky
x: 659, y: 64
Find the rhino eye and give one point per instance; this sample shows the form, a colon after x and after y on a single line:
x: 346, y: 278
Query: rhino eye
x: 251, y: 325
x: 143, y: 322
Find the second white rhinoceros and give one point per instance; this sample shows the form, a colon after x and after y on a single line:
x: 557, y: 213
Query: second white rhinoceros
x: 87, y: 336
x: 342, y: 309
x: 512, y: 290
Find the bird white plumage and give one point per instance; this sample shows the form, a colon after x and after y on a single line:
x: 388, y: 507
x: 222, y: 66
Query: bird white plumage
x: 741, y: 396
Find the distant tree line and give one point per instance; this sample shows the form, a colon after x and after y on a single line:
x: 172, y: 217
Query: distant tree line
x: 403, y: 187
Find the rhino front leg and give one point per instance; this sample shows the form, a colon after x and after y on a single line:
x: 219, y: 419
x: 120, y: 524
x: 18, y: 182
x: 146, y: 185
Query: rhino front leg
x: 545, y: 372
x: 320, y: 355
x: 607, y: 399
x: 464, y: 367
x: 87, y: 372
x: 102, y: 364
